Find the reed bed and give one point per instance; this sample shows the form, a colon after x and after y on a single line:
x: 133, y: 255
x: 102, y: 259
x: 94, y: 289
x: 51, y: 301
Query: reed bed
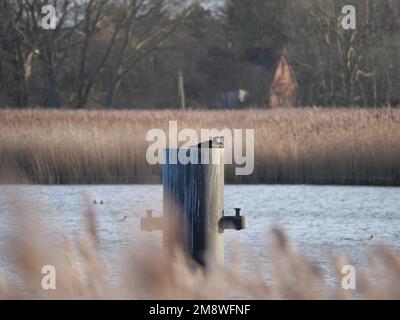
x: 300, y: 146
x: 146, y: 272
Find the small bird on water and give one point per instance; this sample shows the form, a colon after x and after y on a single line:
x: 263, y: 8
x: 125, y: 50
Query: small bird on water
x: 123, y: 219
x: 371, y: 237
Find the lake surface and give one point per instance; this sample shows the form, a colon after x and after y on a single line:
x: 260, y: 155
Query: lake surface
x: 319, y: 220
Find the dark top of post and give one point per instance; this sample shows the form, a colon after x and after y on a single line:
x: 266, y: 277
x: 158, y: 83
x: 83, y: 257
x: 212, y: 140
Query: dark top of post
x: 216, y: 142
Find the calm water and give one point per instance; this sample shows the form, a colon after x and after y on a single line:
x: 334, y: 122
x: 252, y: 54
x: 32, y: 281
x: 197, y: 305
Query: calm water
x: 319, y: 220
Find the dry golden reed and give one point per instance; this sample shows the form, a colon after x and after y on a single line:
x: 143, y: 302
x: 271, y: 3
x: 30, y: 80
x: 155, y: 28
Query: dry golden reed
x: 146, y: 272
x: 301, y: 145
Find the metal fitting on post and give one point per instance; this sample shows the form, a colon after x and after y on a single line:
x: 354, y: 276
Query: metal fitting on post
x: 236, y: 222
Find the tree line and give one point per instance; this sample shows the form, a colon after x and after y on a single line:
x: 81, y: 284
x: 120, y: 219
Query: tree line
x: 133, y: 53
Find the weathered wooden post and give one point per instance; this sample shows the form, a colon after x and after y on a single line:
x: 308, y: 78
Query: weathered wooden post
x: 193, y: 202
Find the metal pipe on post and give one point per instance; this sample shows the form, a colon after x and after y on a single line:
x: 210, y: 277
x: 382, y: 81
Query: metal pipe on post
x: 193, y: 203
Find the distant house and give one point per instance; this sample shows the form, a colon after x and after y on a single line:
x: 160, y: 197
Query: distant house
x: 284, y: 86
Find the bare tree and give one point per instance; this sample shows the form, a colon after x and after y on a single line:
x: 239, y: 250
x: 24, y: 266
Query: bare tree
x: 137, y: 43
x: 341, y: 67
x: 32, y: 43
x: 12, y: 53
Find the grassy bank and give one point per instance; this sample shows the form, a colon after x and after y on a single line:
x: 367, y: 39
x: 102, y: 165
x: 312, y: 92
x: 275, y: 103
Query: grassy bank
x: 313, y: 146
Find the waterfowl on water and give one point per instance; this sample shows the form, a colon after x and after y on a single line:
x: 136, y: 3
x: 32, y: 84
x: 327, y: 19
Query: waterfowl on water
x: 123, y: 219
x: 371, y: 237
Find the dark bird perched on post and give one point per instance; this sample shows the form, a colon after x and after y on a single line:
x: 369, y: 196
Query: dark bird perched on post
x: 214, y: 143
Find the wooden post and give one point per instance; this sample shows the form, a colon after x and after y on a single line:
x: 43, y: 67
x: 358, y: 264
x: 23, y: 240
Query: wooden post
x: 193, y: 203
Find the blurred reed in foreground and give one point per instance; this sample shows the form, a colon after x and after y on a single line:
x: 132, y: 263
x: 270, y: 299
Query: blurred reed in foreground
x: 153, y: 273
x: 304, y: 145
